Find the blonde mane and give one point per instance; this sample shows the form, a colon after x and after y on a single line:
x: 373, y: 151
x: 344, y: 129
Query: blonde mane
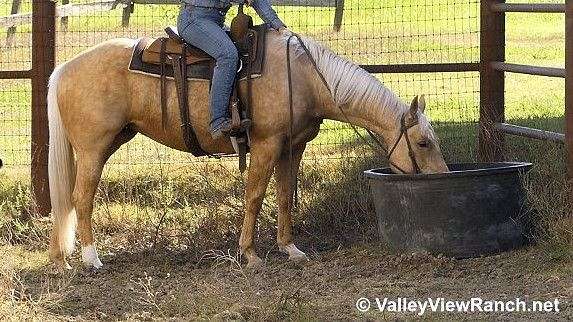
x: 349, y: 84
x: 353, y: 87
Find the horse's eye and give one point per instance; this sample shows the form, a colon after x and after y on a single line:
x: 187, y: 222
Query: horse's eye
x: 424, y: 144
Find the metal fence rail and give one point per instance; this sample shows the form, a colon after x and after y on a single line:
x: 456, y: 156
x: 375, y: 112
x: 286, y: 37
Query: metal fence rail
x: 529, y: 7
x: 528, y: 69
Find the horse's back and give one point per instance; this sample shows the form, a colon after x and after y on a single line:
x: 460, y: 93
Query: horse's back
x: 102, y: 64
x: 109, y: 53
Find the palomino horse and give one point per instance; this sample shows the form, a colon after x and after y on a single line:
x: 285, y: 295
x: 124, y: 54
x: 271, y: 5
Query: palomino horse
x: 96, y: 105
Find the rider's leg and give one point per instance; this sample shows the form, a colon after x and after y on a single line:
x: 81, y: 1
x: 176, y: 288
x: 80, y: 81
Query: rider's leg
x: 203, y: 28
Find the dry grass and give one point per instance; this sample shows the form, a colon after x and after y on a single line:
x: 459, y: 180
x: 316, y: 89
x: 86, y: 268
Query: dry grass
x: 168, y: 232
x: 17, y: 301
x: 168, y: 237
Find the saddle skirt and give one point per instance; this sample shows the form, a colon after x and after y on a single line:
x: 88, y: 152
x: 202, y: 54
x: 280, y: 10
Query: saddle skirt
x: 171, y: 58
x: 147, y: 56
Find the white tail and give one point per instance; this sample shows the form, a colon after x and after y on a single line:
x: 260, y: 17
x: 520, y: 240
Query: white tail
x: 61, y: 170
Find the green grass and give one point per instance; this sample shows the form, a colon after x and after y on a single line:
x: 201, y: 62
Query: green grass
x: 198, y: 205
x: 373, y: 32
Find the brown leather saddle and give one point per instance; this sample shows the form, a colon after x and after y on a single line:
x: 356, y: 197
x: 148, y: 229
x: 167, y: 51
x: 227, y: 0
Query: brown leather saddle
x: 147, y: 56
x: 170, y: 58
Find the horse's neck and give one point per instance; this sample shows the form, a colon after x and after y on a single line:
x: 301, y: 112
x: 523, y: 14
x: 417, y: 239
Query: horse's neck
x: 379, y: 112
x: 348, y: 93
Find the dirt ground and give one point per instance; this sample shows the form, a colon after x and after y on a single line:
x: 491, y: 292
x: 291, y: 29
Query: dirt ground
x: 166, y: 284
x: 175, y: 277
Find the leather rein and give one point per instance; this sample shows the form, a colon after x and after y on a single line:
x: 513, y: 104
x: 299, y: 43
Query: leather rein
x: 403, y: 126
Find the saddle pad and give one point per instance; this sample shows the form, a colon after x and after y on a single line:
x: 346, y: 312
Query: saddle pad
x: 198, y: 71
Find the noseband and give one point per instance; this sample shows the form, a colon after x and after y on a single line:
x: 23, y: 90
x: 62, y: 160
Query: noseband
x: 404, y: 133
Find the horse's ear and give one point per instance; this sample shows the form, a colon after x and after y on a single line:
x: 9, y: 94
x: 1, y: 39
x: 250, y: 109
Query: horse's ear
x: 422, y: 103
x: 414, y: 108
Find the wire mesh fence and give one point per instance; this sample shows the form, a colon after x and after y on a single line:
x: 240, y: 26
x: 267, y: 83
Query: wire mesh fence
x: 15, y: 95
x: 371, y: 32
x: 536, y: 39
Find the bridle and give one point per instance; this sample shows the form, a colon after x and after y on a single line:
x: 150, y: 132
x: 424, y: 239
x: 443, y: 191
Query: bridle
x: 404, y: 133
x: 403, y: 126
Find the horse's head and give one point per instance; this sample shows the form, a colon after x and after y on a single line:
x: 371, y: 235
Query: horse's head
x: 415, y: 147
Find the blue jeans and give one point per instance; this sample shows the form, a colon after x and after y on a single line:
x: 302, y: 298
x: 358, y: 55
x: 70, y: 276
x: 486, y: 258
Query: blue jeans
x: 203, y: 28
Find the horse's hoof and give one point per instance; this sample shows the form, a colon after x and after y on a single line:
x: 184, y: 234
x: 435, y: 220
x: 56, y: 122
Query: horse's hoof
x: 60, y: 262
x: 90, y: 257
x: 95, y: 265
x: 295, y: 255
x: 63, y: 268
x: 299, y: 258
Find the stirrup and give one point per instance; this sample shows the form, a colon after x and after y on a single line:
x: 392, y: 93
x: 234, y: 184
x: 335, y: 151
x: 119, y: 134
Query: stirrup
x: 240, y: 145
x: 244, y: 126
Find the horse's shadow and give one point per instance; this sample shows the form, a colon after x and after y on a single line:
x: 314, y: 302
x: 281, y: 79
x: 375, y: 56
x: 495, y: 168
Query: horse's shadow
x: 335, y: 211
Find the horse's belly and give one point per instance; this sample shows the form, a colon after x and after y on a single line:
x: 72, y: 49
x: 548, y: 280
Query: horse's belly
x: 165, y: 126
x: 173, y: 137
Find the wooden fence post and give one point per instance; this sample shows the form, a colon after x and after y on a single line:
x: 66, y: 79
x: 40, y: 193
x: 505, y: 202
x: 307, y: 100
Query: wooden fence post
x: 569, y: 90
x: 43, y: 62
x: 492, y: 83
x: 338, y: 15
x: 12, y: 30
x: 127, y: 11
x: 64, y: 20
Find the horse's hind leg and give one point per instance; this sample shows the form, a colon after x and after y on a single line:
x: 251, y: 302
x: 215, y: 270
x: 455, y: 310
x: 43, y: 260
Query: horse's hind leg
x: 89, y: 169
x: 285, y: 176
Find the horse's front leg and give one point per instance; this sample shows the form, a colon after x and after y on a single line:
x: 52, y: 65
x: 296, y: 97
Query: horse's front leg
x: 285, y: 175
x: 264, y: 155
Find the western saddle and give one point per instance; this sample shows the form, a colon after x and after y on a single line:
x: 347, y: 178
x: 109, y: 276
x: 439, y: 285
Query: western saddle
x: 171, y: 57
x: 174, y: 46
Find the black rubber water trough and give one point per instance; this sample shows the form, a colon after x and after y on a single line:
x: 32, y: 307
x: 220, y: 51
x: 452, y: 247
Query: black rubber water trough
x: 475, y: 209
